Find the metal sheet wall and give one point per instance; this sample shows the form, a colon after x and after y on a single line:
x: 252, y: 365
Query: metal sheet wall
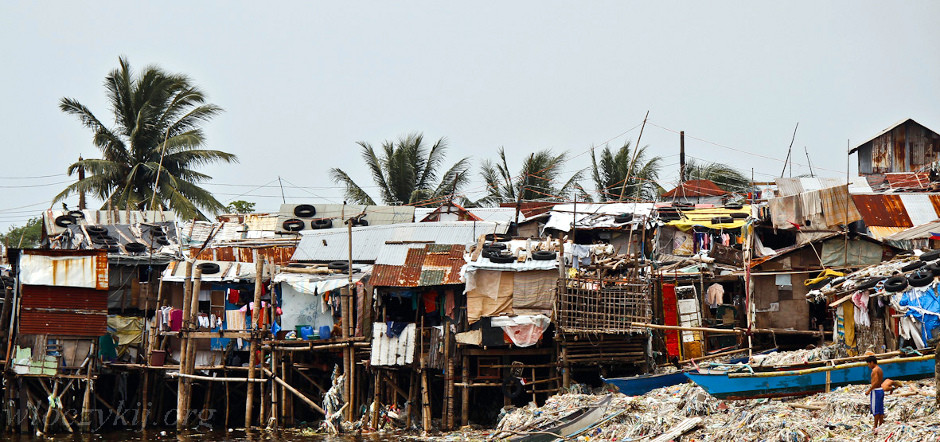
x: 68, y: 311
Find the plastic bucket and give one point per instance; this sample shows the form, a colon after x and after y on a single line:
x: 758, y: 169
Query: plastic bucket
x: 325, y: 332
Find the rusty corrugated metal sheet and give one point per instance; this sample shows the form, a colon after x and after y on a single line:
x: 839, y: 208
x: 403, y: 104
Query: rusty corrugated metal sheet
x: 63, y: 311
x: 432, y: 264
x: 276, y: 255
x: 935, y: 201
x: 908, y: 180
x: 882, y: 210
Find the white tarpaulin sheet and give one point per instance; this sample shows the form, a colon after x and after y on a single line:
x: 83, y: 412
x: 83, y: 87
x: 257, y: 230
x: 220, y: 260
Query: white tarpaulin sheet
x: 398, y: 350
x: 595, y: 216
x: 61, y: 271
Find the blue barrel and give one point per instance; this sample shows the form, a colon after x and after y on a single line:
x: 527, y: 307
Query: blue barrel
x: 325, y: 332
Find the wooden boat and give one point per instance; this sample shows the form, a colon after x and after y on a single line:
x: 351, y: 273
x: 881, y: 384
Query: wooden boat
x: 570, y: 424
x: 752, y: 385
x: 642, y: 384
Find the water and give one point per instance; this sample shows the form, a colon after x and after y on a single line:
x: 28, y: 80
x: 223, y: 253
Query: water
x: 213, y: 435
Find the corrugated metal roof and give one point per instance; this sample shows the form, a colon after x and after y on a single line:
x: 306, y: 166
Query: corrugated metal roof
x: 375, y: 215
x: 920, y: 207
x: 908, y: 180
x: 492, y: 214
x: 333, y: 244
x: 195, y: 233
x: 880, y: 232
x: 228, y: 271
x: 596, y: 216
x: 432, y: 264
x: 882, y: 210
x: 692, y: 188
x: 102, y: 217
x: 793, y: 186
x: 890, y: 128
x: 917, y: 232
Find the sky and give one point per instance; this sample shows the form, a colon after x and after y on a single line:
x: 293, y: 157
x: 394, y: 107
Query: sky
x: 302, y: 82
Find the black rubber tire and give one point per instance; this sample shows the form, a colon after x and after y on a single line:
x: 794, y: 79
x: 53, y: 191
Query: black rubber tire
x: 543, y: 255
x: 77, y: 214
x: 920, y: 278
x: 734, y: 206
x: 739, y: 215
x: 495, y: 246
x: 113, y: 249
x: 512, y: 387
x: 623, y: 218
x: 293, y: 225
x: 324, y: 223
x: 913, y: 266
x: 931, y: 255
x: 135, y: 247
x: 305, y: 211
x: 867, y: 284
x: 96, y: 230
x: 934, y: 268
x: 896, y: 283
x: 362, y: 223
x: 497, y: 237
x: 338, y: 265
x: 64, y: 220
x: 209, y: 268
x: 161, y: 240
x: 501, y: 259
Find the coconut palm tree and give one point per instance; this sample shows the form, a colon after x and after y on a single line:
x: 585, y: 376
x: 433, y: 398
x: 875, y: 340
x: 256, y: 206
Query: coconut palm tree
x: 538, y: 179
x: 618, y: 175
x: 726, y: 177
x: 406, y: 172
x: 156, y: 141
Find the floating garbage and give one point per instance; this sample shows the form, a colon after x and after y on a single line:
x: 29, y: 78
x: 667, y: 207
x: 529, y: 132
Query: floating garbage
x: 840, y: 415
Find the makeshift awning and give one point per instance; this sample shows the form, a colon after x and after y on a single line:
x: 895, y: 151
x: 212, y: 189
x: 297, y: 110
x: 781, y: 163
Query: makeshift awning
x: 705, y: 218
x: 313, y: 284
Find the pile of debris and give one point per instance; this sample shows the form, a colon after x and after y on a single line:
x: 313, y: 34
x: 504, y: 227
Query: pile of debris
x: 798, y: 357
x: 843, y: 414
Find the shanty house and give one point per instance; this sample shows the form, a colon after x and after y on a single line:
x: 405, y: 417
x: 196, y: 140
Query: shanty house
x: 907, y: 146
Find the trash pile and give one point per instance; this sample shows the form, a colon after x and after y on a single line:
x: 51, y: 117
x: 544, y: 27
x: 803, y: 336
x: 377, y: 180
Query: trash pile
x: 798, y: 357
x: 842, y: 414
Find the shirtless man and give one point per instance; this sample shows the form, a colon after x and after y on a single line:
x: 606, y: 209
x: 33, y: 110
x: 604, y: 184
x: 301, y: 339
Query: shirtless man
x: 875, y: 393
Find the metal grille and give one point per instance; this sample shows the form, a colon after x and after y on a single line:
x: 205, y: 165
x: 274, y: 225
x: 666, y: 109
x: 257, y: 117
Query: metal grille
x: 602, y: 306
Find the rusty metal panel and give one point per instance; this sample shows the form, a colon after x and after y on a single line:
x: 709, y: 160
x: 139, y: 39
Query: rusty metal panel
x: 908, y: 180
x: 882, y: 210
x: 935, y: 201
x: 881, y: 154
x: 433, y: 264
x: 63, y: 311
x: 899, y: 150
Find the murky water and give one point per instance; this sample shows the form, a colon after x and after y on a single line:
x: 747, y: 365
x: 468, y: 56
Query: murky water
x: 214, y: 435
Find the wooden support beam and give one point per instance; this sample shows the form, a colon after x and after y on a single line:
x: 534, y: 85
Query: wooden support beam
x: 296, y: 393
x: 252, y: 356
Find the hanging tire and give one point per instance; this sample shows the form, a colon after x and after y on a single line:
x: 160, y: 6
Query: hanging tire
x: 896, y: 283
x: 209, y: 268
x: 77, y: 214
x: 305, y: 211
x: 65, y: 220
x: 913, y: 266
x: 324, y: 223
x: 512, y: 387
x: 543, y: 255
x: 293, y: 225
x: 96, y: 230
x: 135, y: 247
x: 501, y: 259
x: 623, y: 218
x: 338, y: 265
x: 920, y: 278
x: 869, y: 283
x: 502, y: 237
x: 932, y: 255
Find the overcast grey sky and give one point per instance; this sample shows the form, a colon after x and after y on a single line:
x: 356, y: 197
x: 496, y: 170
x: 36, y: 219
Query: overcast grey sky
x: 301, y: 82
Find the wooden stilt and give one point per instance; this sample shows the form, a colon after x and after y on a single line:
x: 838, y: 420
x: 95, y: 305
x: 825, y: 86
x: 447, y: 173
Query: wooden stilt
x: 425, y: 402
x: 296, y: 392
x: 145, y: 396
x: 265, y: 403
x: 227, y: 400
x: 465, y: 392
x: 448, y: 381
x: 89, y: 389
x: 50, y: 406
x: 377, y: 388
x: 182, y: 406
x: 252, y: 357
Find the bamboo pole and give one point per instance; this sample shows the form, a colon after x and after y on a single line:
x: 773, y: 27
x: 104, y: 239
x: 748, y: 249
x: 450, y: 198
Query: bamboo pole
x: 181, y: 408
x: 376, y: 388
x: 191, y: 324
x: 174, y: 374
x: 296, y: 392
x: 465, y: 392
x: 252, y: 356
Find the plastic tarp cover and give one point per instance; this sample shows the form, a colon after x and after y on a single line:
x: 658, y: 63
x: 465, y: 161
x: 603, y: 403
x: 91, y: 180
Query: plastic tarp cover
x: 923, y: 304
x: 302, y: 308
x: 127, y: 329
x: 860, y: 252
x: 60, y: 271
x: 703, y: 217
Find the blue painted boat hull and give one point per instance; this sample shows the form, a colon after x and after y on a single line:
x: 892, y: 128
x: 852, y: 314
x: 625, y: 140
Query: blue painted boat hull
x: 809, y: 381
x: 639, y: 385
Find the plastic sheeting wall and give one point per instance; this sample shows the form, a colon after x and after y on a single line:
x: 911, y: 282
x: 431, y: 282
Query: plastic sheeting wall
x: 303, y: 309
